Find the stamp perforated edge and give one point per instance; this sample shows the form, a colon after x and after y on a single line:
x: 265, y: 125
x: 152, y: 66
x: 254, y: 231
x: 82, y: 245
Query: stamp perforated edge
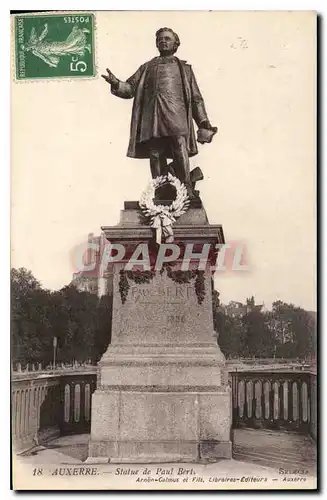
x: 50, y: 79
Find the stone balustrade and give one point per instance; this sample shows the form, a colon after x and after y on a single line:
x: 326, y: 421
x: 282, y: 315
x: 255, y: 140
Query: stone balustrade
x: 284, y: 400
x: 46, y: 403
x: 35, y: 408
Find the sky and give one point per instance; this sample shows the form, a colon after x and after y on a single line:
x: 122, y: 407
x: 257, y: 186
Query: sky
x: 256, y: 72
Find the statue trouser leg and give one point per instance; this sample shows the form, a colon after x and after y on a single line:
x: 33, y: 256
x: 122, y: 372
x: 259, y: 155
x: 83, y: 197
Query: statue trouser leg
x: 158, y: 162
x: 182, y: 163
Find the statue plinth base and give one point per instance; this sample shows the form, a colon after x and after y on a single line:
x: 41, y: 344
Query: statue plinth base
x: 162, y: 393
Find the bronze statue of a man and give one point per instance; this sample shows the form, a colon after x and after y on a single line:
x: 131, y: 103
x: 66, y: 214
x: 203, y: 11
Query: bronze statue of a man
x: 166, y: 99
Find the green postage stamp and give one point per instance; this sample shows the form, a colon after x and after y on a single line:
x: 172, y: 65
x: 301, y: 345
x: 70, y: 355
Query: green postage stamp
x: 54, y: 45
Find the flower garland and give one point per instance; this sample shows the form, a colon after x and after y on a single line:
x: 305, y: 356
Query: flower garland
x: 145, y: 277
x: 140, y: 277
x: 162, y: 217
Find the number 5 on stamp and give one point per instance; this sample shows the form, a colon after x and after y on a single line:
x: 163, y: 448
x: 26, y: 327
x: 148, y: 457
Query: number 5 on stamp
x: 54, y: 46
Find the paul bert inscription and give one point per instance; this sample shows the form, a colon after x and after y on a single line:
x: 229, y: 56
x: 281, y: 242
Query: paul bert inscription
x: 161, y: 293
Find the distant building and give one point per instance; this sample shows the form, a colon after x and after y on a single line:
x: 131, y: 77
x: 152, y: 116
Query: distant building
x: 238, y: 309
x: 94, y: 278
x: 85, y: 284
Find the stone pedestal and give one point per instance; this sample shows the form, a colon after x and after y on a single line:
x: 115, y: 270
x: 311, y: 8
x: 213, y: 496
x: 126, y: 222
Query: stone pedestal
x: 162, y: 393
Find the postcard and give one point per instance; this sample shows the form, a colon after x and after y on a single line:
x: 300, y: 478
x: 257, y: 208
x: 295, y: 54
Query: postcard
x: 163, y: 250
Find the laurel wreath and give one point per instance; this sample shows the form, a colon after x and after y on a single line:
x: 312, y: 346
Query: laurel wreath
x: 161, y: 216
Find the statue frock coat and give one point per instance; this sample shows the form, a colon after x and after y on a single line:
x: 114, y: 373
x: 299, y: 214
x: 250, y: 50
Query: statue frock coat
x: 134, y: 87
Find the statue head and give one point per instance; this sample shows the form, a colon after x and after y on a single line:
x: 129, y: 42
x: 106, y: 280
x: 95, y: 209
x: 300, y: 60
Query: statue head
x: 167, y: 41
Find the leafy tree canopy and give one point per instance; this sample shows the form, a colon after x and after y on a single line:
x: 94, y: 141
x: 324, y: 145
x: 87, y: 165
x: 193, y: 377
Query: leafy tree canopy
x: 80, y: 321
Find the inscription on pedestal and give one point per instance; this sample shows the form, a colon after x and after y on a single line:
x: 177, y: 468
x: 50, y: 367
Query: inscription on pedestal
x: 181, y: 277
x: 162, y: 307
x: 157, y: 294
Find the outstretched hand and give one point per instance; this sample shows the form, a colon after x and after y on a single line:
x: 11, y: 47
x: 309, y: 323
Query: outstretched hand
x: 110, y: 77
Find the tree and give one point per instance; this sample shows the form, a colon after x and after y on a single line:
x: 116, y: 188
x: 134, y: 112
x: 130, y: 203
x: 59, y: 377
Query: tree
x: 30, y: 306
x: 229, y: 329
x: 81, y: 323
x: 102, y: 336
x: 258, y: 339
x: 244, y: 330
x: 23, y: 281
x: 231, y: 335
x: 293, y: 329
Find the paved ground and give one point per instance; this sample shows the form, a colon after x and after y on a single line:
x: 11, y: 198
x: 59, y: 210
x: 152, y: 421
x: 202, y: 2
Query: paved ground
x: 275, y: 449
x: 63, y: 450
x: 257, y: 454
